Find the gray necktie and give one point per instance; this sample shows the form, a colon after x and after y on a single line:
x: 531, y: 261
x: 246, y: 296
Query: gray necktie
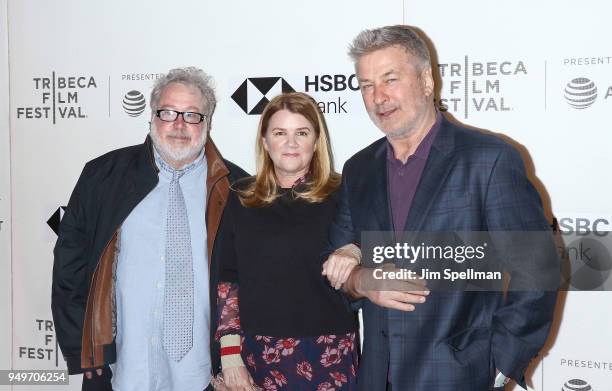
x: 178, y: 294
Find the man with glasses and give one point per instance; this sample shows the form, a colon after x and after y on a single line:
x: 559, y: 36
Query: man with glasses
x: 135, y: 254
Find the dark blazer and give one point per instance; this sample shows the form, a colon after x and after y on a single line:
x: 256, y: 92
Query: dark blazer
x: 454, y: 341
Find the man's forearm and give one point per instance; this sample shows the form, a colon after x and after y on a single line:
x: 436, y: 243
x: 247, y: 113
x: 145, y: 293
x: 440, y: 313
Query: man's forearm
x: 352, y: 286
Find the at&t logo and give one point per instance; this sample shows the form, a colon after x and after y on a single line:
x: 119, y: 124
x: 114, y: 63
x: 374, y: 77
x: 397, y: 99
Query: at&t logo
x: 576, y: 385
x: 580, y: 93
x: 134, y: 103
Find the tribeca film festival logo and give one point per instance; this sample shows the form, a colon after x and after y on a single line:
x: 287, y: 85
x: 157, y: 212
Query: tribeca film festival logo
x: 477, y: 86
x: 134, y: 103
x: 577, y: 385
x: 49, y: 350
x: 59, y: 97
x: 255, y: 92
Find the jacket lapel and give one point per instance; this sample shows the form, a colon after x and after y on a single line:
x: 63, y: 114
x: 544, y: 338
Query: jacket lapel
x: 437, y: 168
x: 139, y: 180
x: 379, y: 201
x: 217, y: 190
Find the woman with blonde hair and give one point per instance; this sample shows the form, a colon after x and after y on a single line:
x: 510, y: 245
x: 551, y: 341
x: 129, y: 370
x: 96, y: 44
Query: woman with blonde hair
x: 281, y: 325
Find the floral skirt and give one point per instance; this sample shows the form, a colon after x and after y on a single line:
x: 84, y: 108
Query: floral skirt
x: 324, y: 363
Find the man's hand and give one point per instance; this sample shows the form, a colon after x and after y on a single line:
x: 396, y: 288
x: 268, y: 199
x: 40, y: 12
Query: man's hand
x: 340, y: 263
x: 396, y: 300
x: 238, y: 379
x: 396, y: 294
x: 89, y: 374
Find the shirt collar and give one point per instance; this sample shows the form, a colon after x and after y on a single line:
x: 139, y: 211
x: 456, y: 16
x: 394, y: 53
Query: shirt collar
x: 166, y: 168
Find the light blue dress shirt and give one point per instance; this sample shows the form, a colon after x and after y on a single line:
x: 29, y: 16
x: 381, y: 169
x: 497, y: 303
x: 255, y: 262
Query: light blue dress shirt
x: 142, y: 363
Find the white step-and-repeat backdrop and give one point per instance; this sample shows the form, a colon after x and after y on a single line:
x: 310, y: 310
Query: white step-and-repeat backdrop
x: 510, y: 67
x: 5, y: 199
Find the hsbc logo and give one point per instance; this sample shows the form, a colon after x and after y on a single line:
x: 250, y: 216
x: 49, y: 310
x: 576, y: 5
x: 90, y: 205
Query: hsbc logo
x: 255, y: 93
x: 56, y: 217
x: 335, y: 93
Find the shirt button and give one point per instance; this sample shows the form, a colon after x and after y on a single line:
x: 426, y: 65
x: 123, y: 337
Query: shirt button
x: 162, y: 258
x: 152, y: 340
x: 159, y: 285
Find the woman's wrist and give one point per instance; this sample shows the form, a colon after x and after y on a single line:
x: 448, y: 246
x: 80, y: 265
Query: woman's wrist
x: 230, y: 351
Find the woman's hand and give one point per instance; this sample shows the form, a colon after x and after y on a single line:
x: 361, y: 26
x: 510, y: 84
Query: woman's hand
x: 238, y: 379
x: 340, y: 263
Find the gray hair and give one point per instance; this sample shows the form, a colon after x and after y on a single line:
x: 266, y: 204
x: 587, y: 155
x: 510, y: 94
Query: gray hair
x: 189, y: 76
x: 369, y: 41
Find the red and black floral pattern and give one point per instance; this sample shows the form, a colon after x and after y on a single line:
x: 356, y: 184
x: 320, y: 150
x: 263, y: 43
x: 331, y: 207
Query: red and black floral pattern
x: 321, y: 363
x: 313, y: 363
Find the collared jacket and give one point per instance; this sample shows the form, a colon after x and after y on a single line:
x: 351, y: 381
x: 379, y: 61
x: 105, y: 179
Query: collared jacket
x: 472, y: 182
x: 108, y: 189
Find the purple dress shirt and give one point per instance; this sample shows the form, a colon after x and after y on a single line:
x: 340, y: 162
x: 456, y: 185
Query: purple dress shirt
x: 403, y: 178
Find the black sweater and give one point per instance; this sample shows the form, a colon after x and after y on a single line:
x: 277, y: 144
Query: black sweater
x: 274, y: 254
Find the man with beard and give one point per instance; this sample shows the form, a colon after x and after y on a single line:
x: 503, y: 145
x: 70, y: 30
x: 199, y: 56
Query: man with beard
x: 135, y: 254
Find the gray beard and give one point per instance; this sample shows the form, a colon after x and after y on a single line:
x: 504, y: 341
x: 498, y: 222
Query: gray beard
x: 400, y: 133
x: 170, y: 154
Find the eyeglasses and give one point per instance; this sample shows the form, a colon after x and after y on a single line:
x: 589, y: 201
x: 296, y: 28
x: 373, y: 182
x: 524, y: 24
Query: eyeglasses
x: 188, y: 116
